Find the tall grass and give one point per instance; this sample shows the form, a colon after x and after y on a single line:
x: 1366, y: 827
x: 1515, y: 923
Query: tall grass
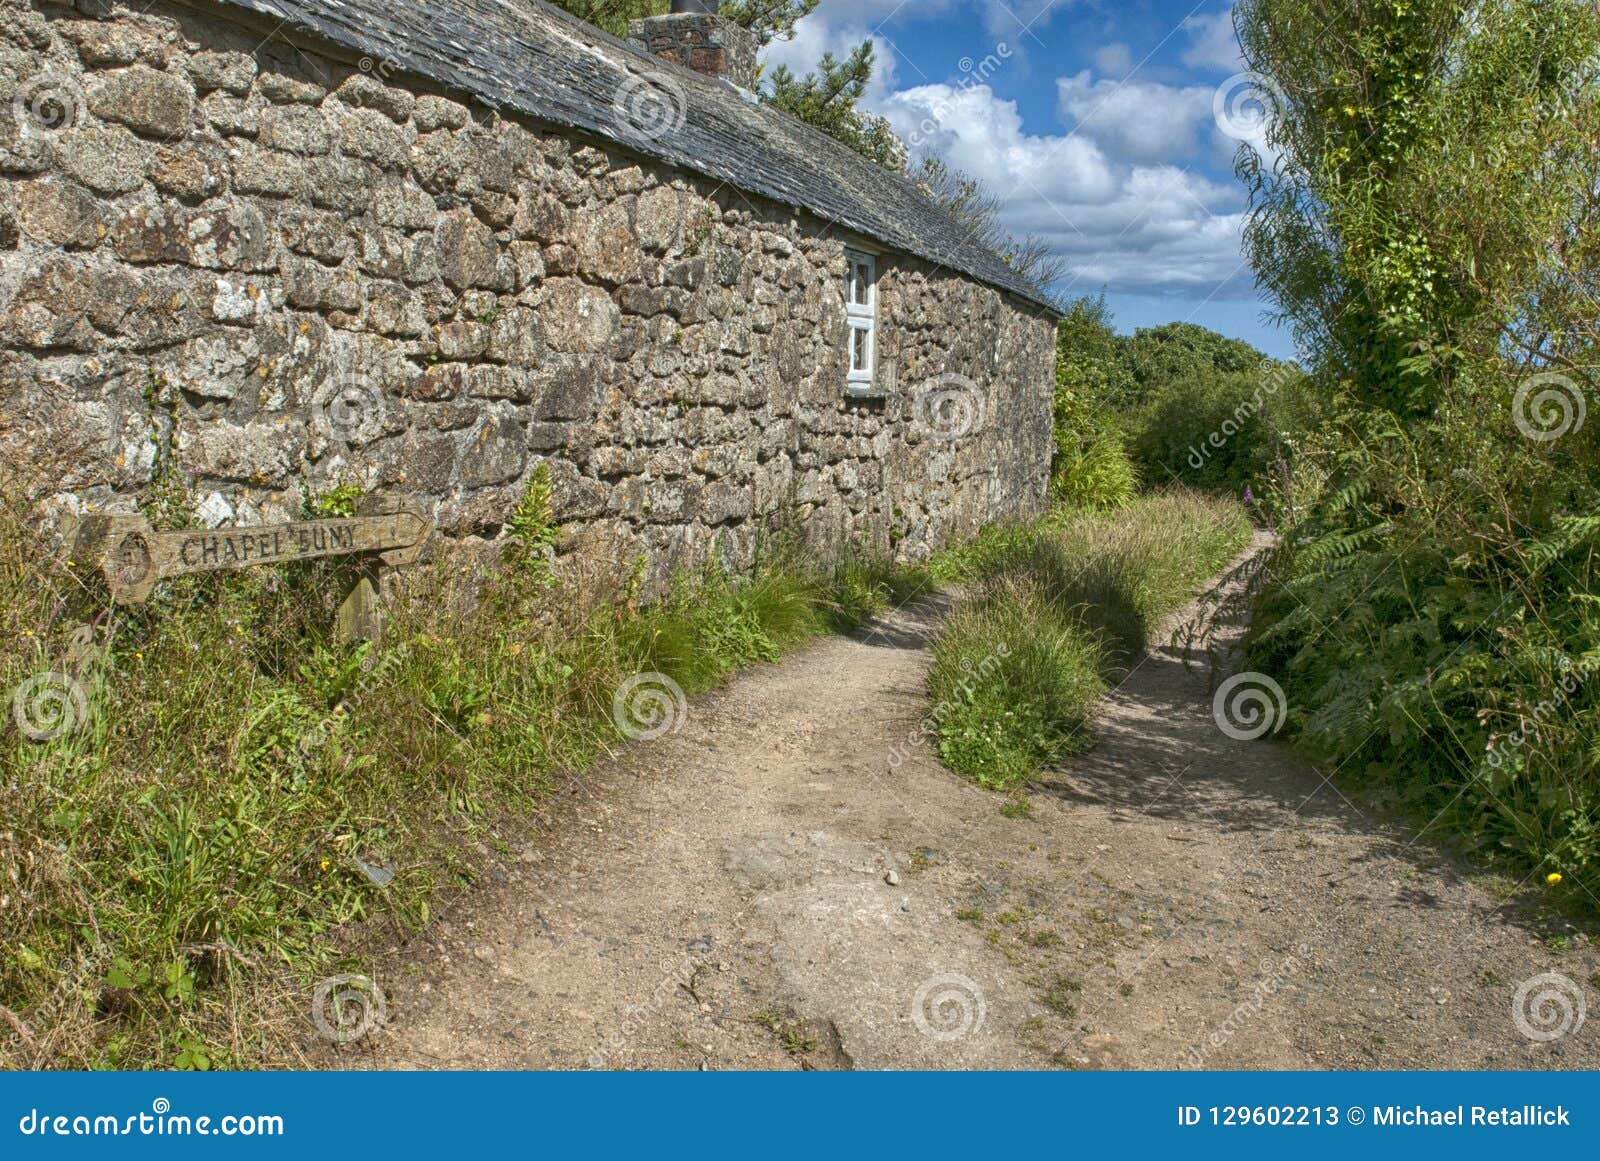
x: 1056, y: 609
x: 246, y: 803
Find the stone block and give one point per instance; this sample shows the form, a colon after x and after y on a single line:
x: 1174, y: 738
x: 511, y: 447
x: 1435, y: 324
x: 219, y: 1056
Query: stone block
x: 146, y: 100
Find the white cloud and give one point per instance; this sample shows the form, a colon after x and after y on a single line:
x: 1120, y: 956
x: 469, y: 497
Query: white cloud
x: 1114, y: 60
x: 813, y: 37
x: 1212, y: 44
x: 1136, y: 120
x: 1107, y: 191
x: 983, y: 136
x: 839, y: 25
x: 1119, y: 223
x: 1019, y: 20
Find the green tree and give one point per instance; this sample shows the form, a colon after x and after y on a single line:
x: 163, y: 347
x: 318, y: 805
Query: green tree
x: 770, y: 20
x: 1159, y: 357
x: 1426, y: 162
x: 613, y: 15
x: 1089, y: 356
x: 1430, y: 226
x: 829, y: 100
x: 1091, y: 466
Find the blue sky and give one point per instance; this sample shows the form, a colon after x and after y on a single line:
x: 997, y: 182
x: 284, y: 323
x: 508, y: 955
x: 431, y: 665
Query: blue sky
x: 1097, y: 124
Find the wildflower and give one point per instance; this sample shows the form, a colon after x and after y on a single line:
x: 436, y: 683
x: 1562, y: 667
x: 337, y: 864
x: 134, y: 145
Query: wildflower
x: 1553, y: 878
x: 1249, y: 496
x: 326, y: 864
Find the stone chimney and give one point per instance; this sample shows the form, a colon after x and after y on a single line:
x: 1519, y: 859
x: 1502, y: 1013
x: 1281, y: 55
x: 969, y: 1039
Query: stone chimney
x: 695, y: 36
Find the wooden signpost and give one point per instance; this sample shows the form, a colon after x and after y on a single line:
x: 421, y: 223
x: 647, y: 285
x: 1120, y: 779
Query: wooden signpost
x: 133, y: 556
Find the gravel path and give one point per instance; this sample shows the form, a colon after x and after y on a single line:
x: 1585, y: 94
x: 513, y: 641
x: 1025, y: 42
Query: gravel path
x: 791, y: 880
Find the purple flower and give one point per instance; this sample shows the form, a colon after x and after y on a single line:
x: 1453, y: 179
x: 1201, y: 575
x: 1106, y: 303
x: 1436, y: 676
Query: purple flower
x: 1249, y: 496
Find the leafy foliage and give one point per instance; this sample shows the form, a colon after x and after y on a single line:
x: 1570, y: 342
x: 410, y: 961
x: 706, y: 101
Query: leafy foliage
x: 1091, y: 466
x: 613, y: 15
x: 1430, y: 231
x: 829, y: 100
x: 1169, y: 404
x: 1092, y: 474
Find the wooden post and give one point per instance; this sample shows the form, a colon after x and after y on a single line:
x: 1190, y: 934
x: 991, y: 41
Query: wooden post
x: 361, y: 614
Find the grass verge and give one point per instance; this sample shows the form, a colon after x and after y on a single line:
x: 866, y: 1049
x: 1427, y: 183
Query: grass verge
x: 238, y: 805
x: 1055, y: 609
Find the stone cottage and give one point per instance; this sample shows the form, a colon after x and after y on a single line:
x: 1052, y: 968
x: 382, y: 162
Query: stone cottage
x: 423, y: 246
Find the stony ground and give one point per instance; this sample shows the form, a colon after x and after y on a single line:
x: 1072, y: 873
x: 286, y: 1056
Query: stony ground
x: 791, y: 881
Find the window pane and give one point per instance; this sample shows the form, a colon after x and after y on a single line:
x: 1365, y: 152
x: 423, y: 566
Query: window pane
x: 860, y: 355
x: 863, y: 283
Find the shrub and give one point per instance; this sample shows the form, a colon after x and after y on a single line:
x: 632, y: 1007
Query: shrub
x: 1431, y: 611
x: 1099, y: 475
x: 1056, y: 609
x: 863, y: 586
x: 1011, y: 681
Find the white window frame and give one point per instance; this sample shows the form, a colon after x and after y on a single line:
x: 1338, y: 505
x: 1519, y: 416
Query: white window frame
x: 862, y: 317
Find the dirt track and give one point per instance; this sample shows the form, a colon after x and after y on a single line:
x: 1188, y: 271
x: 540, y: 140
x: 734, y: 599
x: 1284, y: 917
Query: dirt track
x: 785, y: 882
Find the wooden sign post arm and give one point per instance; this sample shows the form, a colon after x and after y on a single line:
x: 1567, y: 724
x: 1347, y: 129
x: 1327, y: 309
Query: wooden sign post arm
x: 133, y: 556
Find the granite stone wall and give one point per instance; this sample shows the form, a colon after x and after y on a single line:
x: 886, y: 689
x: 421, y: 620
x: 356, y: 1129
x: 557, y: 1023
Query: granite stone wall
x: 273, y: 270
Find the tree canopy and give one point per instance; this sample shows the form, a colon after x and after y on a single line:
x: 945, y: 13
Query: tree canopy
x: 827, y: 99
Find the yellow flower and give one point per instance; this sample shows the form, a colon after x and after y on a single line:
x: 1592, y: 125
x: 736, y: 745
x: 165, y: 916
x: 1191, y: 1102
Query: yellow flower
x: 1553, y: 878
x: 326, y: 864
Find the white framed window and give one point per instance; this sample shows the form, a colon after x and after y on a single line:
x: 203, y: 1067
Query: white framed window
x: 861, y: 318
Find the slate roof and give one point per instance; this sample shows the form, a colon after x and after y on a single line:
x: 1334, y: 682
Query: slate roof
x: 529, y: 58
